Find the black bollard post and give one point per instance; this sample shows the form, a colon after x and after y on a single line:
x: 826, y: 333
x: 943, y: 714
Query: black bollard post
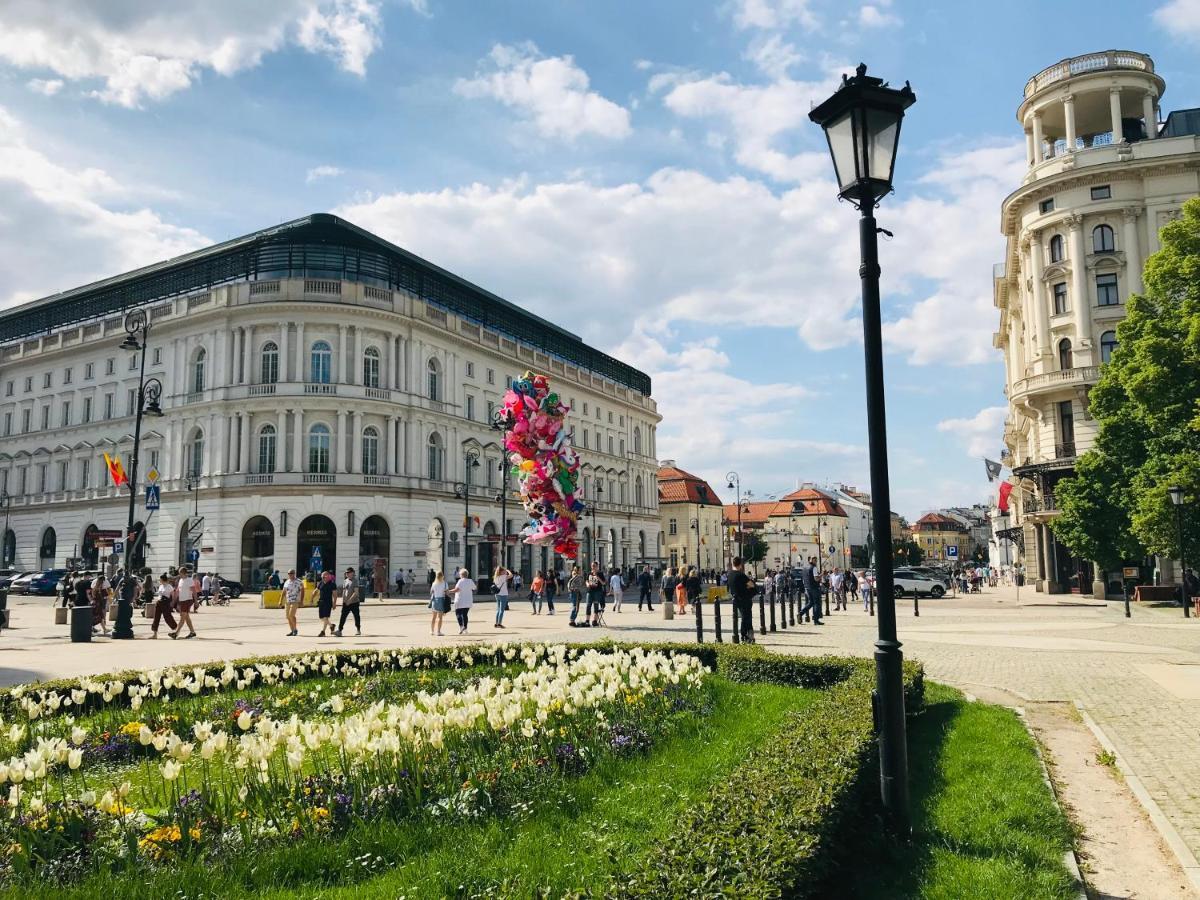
x: 773, y: 599
x: 792, y: 601
x: 1126, y: 583
x: 916, y: 604
x: 827, y: 592
x: 762, y: 613
x: 699, y: 620
x: 872, y: 600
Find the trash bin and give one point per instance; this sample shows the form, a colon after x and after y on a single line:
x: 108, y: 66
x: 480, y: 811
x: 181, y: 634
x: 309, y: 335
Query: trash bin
x: 81, y: 624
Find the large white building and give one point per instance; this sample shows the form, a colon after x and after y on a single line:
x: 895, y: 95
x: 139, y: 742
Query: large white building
x: 1104, y: 176
x: 326, y: 395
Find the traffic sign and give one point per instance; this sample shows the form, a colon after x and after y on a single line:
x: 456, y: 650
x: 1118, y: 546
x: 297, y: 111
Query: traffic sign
x: 952, y: 553
x: 314, y: 561
x: 118, y: 548
x: 194, y: 554
x: 832, y: 549
x: 152, y: 496
x: 152, y: 475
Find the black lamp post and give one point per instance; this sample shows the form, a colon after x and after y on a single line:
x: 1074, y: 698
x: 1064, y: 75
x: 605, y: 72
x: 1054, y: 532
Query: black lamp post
x: 503, y: 498
x: 735, y: 481
x: 862, y: 125
x: 7, y: 554
x: 599, y: 494
x: 462, y: 491
x: 1176, y: 494
x: 137, y: 333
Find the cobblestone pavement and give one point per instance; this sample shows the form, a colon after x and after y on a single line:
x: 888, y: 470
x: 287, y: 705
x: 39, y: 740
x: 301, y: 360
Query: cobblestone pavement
x: 1138, y: 678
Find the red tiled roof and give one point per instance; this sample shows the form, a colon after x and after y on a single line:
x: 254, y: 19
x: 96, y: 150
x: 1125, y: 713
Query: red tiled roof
x: 755, y: 514
x: 937, y: 522
x: 677, y: 486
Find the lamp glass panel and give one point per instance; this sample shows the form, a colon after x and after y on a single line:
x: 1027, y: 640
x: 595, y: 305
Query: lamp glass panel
x: 840, y: 133
x: 883, y: 133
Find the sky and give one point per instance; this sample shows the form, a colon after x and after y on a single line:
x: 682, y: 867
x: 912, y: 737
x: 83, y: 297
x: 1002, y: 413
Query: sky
x: 642, y: 173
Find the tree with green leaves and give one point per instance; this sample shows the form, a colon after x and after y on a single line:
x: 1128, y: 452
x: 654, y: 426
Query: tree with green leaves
x: 907, y: 553
x: 754, y: 547
x: 1147, y: 406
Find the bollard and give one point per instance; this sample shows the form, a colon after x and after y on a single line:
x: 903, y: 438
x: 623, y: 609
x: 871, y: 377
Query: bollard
x: 773, y: 598
x: 1127, y: 600
x: 792, y: 601
x: 668, y: 611
x: 872, y: 599
x: 762, y: 614
x: 717, y: 618
x: 699, y: 604
x: 916, y: 604
x: 81, y: 624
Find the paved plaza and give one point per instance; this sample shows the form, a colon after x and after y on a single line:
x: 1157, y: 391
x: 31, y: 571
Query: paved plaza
x: 1138, y: 679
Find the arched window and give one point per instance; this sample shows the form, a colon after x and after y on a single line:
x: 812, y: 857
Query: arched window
x: 637, y: 440
x: 269, y: 366
x: 370, y: 451
x: 434, y: 371
x: 371, y: 368
x: 318, y: 449
x: 1064, y: 354
x: 1102, y: 239
x: 436, y: 457
x: 321, y: 363
x: 194, y: 464
x: 266, y: 449
x: 198, y: 370
x: 1108, y: 343
x: 1056, y: 248
x: 637, y: 490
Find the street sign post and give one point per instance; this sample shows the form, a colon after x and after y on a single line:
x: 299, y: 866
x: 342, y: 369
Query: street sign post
x: 153, y: 494
x: 314, y: 561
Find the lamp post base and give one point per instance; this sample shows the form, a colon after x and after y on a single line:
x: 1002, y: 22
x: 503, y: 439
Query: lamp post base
x: 889, y: 721
x: 123, y: 628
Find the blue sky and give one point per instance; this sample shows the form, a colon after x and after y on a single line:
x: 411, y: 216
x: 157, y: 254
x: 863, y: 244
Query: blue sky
x: 642, y: 173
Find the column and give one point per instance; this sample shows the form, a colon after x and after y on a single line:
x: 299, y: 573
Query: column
x: 356, y: 452
x: 1080, y: 308
x: 216, y: 371
x: 281, y: 457
x: 385, y: 444
x: 339, y: 443
x: 1041, y: 310
x: 1029, y: 146
x: 1133, y: 251
x: 283, y: 353
x: 210, y: 438
x: 1069, y: 115
x: 1114, y: 108
x: 246, y: 426
x: 247, y: 356
x: 300, y: 352
x: 397, y: 381
x: 221, y: 453
x: 354, y: 365
x: 298, y: 435
x: 342, y: 376
x: 1149, y: 115
x: 1038, y: 138
x: 239, y: 347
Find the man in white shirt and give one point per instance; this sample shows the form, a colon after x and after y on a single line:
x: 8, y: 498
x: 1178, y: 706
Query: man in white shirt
x: 616, y: 587
x: 464, y: 599
x: 205, y: 587
x: 293, y: 593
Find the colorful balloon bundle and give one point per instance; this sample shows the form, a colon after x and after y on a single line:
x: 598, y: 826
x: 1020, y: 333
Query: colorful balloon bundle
x: 543, y: 461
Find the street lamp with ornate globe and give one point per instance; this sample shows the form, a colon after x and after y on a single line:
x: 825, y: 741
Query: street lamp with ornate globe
x: 862, y: 125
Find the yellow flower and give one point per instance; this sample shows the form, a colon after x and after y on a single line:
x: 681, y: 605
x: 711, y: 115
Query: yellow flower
x: 133, y: 729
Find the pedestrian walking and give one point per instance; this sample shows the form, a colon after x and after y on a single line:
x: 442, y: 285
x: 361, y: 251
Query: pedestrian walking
x: 694, y: 586
x: 742, y: 590
x: 98, y: 596
x: 326, y: 600
x: 837, y: 585
x: 439, y: 603
x: 645, y: 582
x: 595, y: 596
x: 164, y: 600
x: 500, y: 579
x: 464, y: 599
x: 616, y: 588
x: 187, y: 588
x: 550, y: 591
x: 865, y: 586
x: 575, y: 588
x: 399, y: 579
x: 293, y: 593
x: 351, y: 599
x: 535, y: 592
x: 812, y: 592
x: 205, y: 589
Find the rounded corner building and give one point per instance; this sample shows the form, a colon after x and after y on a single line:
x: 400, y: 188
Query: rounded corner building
x: 327, y: 402
x: 1104, y: 175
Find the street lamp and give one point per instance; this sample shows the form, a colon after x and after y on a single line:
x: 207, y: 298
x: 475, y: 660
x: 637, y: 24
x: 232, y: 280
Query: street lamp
x: 1175, y: 492
x: 503, y: 498
x: 8, y: 553
x: 735, y: 481
x: 695, y: 526
x: 599, y: 494
x: 137, y: 334
x: 462, y: 491
x: 862, y: 125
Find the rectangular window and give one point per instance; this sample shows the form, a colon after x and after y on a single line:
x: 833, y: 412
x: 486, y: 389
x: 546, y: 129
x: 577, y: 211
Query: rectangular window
x: 7, y: 424
x: 110, y: 366
x: 470, y: 370
x: 66, y: 413
x: 67, y: 375
x: 62, y: 476
x: 673, y: 527
x: 131, y: 402
x: 598, y: 444
x: 1060, y: 298
x: 132, y: 362
x: 491, y: 411
x: 87, y: 410
x: 621, y: 421
x: 8, y: 389
x: 585, y: 407
x: 1106, y: 290
x: 610, y: 417
x: 491, y: 376
x: 89, y: 371
x: 43, y: 473
x: 108, y: 406
x: 46, y: 379
x: 597, y: 414
x: 610, y: 444
x: 153, y: 459
x: 45, y: 418
x: 158, y: 356
x: 471, y: 409
x: 1066, y: 428
x: 21, y: 482
x: 585, y: 439
x: 28, y: 383
x: 508, y: 381
x: 25, y: 416
x: 1046, y: 206
x: 85, y: 470
x: 1102, y: 192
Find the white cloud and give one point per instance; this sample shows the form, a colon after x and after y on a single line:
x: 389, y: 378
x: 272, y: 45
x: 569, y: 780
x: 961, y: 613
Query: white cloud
x: 981, y: 433
x: 552, y: 91
x: 62, y: 226
x: 766, y: 14
x: 773, y: 55
x: 1180, y: 17
x: 318, y: 172
x: 878, y: 15
x: 133, y: 54
x: 47, y: 86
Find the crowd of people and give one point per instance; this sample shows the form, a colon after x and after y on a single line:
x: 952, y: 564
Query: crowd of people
x: 177, y: 592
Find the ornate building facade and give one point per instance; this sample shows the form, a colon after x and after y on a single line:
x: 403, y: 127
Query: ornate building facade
x: 1103, y: 177
x: 327, y: 396
x: 690, y: 519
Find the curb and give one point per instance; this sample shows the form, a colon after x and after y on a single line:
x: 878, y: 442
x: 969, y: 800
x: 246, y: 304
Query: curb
x: 1070, y: 860
x: 1183, y: 853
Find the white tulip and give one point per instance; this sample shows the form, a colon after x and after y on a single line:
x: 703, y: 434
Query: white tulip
x: 75, y: 759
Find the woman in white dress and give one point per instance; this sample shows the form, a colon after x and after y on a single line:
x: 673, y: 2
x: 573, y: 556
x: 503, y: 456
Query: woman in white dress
x: 464, y: 599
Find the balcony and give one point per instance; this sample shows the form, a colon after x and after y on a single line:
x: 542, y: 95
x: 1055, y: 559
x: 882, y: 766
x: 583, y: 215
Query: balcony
x: 1107, y: 60
x: 1080, y: 376
x: 319, y: 387
x: 1065, y: 450
x: 319, y: 478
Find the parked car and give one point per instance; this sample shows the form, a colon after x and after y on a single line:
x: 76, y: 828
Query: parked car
x: 940, y: 575
x: 45, y: 584
x: 6, y: 577
x: 910, y: 583
x: 233, y: 588
x: 20, y: 584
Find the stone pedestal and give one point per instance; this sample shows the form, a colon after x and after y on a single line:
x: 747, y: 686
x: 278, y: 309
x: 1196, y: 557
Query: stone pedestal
x: 1099, y: 589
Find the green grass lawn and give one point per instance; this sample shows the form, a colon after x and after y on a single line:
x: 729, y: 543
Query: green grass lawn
x: 984, y: 823
x: 595, y: 825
